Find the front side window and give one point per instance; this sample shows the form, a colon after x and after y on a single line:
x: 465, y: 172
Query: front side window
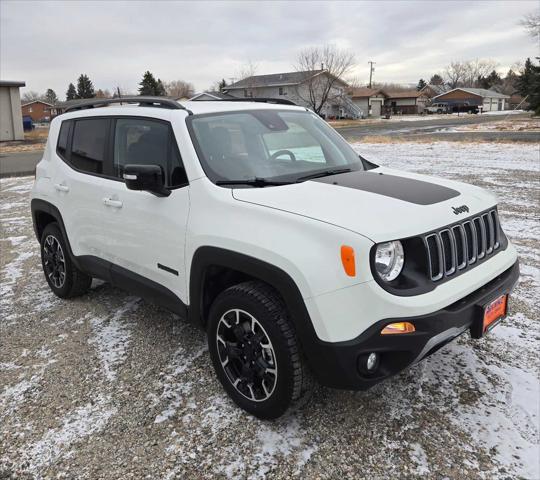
x: 88, y: 147
x: 139, y: 141
x: 271, y: 144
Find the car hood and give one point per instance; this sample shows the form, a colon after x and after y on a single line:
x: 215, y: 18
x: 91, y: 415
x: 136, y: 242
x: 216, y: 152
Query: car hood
x: 380, y: 204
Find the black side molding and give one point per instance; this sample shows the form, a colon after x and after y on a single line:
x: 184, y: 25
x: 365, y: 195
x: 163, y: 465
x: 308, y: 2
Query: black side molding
x: 167, y: 269
x: 133, y: 283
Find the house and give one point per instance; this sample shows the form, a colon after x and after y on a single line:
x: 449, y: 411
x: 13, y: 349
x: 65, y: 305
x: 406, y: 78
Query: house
x: 296, y: 86
x: 60, y: 107
x: 485, y: 100
x: 38, y: 110
x: 406, y: 102
x: 369, y: 100
x: 209, y: 96
x: 432, y: 90
x: 11, y: 125
x: 517, y: 102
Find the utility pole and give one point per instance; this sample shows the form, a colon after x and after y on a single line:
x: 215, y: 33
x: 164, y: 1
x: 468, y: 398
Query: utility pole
x: 371, y: 70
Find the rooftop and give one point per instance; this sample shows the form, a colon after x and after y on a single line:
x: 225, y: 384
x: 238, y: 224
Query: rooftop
x: 12, y: 83
x: 362, y: 92
x: 275, y: 79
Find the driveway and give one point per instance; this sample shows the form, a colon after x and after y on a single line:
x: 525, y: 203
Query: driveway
x: 108, y: 386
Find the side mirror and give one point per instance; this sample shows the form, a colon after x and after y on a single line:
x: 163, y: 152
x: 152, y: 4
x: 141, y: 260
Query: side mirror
x: 149, y: 178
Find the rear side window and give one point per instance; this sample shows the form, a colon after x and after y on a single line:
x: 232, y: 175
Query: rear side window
x: 140, y: 141
x: 89, y: 144
x: 63, y: 137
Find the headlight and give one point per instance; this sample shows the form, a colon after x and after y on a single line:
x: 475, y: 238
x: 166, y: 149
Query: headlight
x: 389, y: 259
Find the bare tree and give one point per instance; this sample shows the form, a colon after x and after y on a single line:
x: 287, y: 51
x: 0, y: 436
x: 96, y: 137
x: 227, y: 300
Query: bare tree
x: 246, y: 72
x: 468, y: 73
x: 30, y: 96
x: 179, y: 89
x: 325, y: 68
x: 531, y: 22
x: 455, y: 74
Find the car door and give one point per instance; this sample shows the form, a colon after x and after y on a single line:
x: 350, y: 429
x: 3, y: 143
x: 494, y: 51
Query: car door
x: 147, y: 232
x: 78, y: 181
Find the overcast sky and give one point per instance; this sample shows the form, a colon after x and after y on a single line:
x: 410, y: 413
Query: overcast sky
x: 48, y: 44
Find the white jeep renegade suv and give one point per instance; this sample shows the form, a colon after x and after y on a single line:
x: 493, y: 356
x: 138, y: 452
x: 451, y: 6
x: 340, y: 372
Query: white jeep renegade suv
x: 259, y: 223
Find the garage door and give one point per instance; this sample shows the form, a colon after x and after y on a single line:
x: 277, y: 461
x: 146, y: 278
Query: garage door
x: 376, y: 108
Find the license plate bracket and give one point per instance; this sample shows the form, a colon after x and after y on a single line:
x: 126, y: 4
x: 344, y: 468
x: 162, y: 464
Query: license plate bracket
x: 489, y: 316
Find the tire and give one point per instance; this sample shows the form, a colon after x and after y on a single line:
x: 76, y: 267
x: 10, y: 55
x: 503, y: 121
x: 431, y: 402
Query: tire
x: 63, y: 277
x: 439, y: 111
x: 245, y: 353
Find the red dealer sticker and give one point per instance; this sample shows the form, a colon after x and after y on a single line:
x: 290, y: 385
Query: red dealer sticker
x: 494, y: 312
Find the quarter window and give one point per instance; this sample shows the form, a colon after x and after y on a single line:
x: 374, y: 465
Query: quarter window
x: 88, y: 149
x: 63, y: 137
x: 139, y: 141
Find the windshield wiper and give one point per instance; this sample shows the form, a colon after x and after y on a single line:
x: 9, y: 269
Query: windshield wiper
x: 254, y: 182
x: 324, y: 173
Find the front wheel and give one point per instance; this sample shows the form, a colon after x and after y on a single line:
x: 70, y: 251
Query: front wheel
x: 254, y: 350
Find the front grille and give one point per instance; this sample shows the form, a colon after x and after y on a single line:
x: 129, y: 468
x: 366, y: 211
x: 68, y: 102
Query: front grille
x: 453, y: 249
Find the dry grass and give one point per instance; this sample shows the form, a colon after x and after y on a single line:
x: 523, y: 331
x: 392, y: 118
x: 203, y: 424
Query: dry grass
x: 33, y: 141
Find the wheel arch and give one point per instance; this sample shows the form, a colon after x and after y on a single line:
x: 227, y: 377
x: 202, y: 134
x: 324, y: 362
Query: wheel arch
x: 44, y: 213
x: 210, y: 261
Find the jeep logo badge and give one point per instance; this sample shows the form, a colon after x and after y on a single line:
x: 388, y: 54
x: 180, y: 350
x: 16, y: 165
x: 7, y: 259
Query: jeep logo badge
x: 462, y: 209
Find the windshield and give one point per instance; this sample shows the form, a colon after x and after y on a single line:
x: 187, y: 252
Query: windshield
x: 280, y: 145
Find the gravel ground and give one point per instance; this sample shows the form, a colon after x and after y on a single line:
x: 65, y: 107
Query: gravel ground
x: 108, y: 386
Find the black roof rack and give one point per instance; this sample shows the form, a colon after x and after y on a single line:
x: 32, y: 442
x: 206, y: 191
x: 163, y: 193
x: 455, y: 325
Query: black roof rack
x: 159, y: 102
x: 277, y: 101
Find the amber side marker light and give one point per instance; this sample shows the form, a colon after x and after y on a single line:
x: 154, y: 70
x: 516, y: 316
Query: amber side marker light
x: 347, y: 259
x: 398, y: 327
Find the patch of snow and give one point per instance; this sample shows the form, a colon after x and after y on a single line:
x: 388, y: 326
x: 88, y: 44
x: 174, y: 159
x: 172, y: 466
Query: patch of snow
x: 82, y: 422
x: 174, y: 386
x: 111, y: 337
x: 419, y: 457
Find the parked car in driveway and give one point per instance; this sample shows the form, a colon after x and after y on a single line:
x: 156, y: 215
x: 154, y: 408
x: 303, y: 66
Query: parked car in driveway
x: 256, y: 221
x: 440, y: 107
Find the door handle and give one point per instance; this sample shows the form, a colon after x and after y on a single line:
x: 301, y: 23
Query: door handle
x: 61, y: 187
x: 112, y: 203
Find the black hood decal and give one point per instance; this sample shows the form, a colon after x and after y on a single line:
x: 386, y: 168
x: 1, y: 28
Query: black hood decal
x: 402, y: 188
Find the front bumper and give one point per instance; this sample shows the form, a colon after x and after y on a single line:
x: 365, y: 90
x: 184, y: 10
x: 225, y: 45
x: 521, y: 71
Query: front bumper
x: 337, y: 364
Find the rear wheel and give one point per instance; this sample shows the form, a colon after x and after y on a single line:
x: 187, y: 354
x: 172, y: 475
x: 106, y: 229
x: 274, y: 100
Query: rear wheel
x: 63, y: 277
x: 254, y: 350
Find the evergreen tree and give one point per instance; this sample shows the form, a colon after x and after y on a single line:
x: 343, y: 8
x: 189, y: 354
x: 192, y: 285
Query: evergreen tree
x: 160, y: 89
x: 436, y: 80
x: 222, y: 85
x: 85, y: 88
x: 148, y: 85
x: 50, y: 96
x: 71, y: 93
x: 528, y: 85
x: 421, y: 84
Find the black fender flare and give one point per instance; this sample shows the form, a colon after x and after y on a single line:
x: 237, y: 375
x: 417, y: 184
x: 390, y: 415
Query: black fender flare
x: 37, y: 205
x: 205, y: 257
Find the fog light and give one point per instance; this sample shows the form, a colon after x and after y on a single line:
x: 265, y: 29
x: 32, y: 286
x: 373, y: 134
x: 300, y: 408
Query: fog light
x: 398, y: 327
x: 372, y: 361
